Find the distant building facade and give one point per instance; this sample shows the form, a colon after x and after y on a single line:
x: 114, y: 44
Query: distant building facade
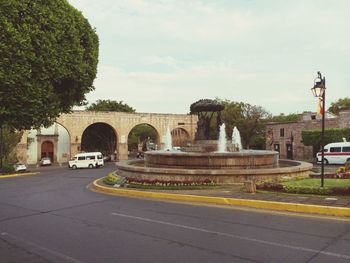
x: 286, y: 139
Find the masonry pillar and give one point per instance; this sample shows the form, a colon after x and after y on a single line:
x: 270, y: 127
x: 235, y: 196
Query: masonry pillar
x: 122, y: 153
x: 75, y: 145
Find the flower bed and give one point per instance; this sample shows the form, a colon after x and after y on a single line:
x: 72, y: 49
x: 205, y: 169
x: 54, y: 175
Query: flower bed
x: 171, y: 184
x: 112, y: 179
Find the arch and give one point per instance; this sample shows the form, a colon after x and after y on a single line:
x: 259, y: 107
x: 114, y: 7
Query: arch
x: 142, y: 137
x: 47, y: 150
x: 100, y: 137
x: 180, y: 137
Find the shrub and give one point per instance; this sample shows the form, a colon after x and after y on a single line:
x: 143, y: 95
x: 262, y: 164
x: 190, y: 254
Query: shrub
x: 270, y: 186
x: 8, y: 168
x: 307, y: 190
x: 341, y: 170
x: 111, y: 179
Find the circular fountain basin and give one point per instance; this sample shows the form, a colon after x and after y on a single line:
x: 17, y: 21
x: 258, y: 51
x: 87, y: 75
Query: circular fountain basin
x: 246, y: 159
x: 231, y: 167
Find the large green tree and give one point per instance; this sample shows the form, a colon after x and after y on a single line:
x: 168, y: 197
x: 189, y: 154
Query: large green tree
x: 48, y: 61
x: 110, y: 105
x: 339, y: 105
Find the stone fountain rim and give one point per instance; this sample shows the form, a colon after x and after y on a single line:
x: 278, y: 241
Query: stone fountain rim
x: 298, y: 166
x: 211, y: 154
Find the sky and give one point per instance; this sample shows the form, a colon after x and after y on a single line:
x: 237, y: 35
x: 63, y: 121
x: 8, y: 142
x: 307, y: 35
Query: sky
x: 160, y: 56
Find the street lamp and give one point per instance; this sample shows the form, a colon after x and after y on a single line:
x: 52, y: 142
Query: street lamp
x: 319, y: 90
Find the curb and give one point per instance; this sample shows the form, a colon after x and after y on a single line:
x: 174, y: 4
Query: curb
x: 17, y: 175
x: 279, y: 206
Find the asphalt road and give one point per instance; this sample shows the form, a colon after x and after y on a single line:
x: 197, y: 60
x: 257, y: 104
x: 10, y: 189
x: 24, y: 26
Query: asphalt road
x: 53, y: 217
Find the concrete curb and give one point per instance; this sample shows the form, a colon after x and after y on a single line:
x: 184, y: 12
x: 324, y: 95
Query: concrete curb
x: 279, y: 206
x: 17, y: 175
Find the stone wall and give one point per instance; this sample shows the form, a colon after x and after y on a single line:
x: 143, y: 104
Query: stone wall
x: 122, y: 123
x: 292, y: 133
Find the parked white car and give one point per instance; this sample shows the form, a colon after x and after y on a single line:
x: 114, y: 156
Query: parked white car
x: 19, y: 167
x: 45, y: 161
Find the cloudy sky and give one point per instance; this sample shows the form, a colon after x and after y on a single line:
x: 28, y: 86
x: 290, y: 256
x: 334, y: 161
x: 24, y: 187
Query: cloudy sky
x: 162, y: 55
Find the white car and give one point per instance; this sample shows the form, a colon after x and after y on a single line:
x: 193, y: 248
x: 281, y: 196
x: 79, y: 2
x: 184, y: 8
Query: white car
x: 19, y: 167
x: 45, y: 161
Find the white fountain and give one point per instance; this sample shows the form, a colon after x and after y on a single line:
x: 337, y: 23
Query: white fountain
x: 168, y: 141
x: 236, y: 139
x: 222, y: 139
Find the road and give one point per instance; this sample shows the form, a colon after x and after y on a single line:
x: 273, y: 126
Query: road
x: 53, y: 217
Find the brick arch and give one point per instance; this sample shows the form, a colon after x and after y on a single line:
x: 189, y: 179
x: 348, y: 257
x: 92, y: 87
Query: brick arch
x: 180, y: 137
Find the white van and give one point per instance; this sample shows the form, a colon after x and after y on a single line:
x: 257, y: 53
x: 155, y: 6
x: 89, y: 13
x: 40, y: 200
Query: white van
x: 86, y: 160
x: 335, y: 153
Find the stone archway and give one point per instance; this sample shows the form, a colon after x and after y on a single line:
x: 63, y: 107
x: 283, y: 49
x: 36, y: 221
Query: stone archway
x: 100, y: 137
x: 142, y: 137
x: 180, y: 137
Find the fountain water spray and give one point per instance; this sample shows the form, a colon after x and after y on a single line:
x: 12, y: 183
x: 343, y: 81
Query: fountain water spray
x: 236, y: 139
x: 222, y: 139
x: 168, y: 141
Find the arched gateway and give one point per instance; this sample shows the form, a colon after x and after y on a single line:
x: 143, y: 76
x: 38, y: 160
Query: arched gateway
x: 121, y: 123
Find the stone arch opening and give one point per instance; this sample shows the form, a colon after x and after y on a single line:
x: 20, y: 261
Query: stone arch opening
x: 47, y: 150
x: 180, y: 137
x: 100, y: 137
x: 142, y: 137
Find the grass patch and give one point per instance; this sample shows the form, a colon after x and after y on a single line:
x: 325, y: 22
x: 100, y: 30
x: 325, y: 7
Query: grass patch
x: 317, y: 183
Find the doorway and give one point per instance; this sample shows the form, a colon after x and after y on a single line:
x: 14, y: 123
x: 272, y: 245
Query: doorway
x: 47, y: 150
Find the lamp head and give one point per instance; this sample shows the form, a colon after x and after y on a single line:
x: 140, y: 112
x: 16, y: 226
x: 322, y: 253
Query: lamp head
x: 319, y: 86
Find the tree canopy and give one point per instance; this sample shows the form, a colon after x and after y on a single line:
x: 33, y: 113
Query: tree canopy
x: 110, y: 105
x: 339, y: 105
x: 293, y: 117
x: 49, y: 56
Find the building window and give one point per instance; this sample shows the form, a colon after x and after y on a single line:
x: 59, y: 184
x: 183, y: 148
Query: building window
x: 282, y: 132
x: 313, y: 117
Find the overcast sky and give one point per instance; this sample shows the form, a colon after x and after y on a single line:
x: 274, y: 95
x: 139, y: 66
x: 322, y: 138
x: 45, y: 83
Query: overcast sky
x: 162, y: 55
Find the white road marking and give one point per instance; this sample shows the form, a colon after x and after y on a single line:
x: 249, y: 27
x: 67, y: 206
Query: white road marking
x: 62, y: 256
x: 234, y: 236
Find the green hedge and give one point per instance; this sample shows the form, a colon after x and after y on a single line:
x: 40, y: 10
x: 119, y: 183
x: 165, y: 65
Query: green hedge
x: 313, y: 137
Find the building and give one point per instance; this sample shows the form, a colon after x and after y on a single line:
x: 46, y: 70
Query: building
x: 286, y: 139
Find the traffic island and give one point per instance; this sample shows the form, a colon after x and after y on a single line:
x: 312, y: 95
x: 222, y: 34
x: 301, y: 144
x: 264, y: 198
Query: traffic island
x: 99, y: 186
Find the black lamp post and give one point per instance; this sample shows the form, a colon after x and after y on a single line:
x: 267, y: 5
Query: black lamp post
x: 319, y: 90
